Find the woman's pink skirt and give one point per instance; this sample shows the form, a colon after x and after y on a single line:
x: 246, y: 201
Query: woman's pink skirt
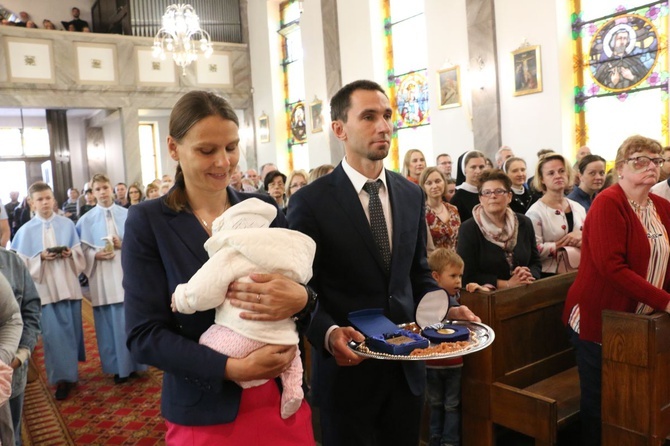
x: 258, y: 422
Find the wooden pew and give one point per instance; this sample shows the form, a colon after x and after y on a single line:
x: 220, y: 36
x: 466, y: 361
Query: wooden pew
x: 527, y: 379
x: 636, y: 379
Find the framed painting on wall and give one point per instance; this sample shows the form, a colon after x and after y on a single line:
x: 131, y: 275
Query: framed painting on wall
x: 214, y: 71
x: 264, y: 128
x: 527, y: 70
x: 298, y: 124
x: 30, y: 60
x: 450, y: 87
x: 154, y: 72
x: 96, y: 63
x: 316, y: 112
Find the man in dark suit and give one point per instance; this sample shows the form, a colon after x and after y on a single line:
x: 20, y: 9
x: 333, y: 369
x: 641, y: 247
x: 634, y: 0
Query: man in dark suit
x: 364, y: 402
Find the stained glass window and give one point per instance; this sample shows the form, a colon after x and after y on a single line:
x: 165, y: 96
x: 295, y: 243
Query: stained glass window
x: 620, y: 72
x: 407, y: 59
x: 294, y: 84
x: 411, y: 99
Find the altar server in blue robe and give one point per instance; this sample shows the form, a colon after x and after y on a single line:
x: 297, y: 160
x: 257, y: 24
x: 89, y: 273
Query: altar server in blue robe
x: 49, y: 246
x: 101, y: 233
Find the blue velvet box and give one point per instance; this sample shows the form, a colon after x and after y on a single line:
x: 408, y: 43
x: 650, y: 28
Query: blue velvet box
x: 380, y: 332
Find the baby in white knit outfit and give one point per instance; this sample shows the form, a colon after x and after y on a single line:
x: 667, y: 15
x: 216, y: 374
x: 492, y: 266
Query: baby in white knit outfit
x: 243, y: 243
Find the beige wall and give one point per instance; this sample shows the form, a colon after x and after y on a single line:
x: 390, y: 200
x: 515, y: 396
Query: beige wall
x: 125, y: 96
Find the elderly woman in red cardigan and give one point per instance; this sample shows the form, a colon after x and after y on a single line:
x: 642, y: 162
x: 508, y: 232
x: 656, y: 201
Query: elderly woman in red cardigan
x: 624, y: 265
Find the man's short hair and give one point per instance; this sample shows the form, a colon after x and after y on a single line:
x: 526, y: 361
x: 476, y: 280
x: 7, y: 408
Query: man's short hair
x: 500, y: 151
x: 38, y: 186
x: 437, y: 158
x: 99, y: 178
x: 341, y: 102
x: 442, y: 258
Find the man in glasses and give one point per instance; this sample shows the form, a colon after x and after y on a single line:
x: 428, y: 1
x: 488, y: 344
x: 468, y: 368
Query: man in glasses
x: 443, y: 163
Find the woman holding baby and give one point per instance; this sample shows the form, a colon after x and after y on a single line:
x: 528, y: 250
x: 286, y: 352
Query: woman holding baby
x: 201, y: 402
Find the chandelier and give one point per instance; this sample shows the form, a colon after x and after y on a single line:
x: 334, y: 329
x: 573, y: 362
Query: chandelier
x: 182, y: 36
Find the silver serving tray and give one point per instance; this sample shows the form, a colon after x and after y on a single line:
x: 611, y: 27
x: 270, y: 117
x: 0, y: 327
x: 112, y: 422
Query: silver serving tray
x: 481, y: 336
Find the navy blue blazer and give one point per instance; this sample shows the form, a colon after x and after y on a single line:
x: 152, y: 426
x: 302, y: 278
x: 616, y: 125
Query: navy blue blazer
x: 162, y: 249
x: 348, y: 269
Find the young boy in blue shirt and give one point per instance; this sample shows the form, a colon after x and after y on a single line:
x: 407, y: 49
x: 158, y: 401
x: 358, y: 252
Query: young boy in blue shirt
x: 444, y: 375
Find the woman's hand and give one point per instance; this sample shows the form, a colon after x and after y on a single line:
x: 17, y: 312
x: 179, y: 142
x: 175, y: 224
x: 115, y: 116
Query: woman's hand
x: 520, y: 276
x: 267, y: 362
x: 270, y: 297
x: 573, y: 238
x: 116, y: 241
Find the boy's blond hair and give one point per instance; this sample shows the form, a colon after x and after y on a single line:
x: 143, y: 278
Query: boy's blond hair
x: 38, y: 186
x: 442, y: 258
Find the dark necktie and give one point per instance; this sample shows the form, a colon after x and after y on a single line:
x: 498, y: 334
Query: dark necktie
x: 378, y: 222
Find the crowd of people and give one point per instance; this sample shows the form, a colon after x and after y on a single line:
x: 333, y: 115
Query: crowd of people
x: 508, y: 230
x: 24, y: 20
x: 202, y: 293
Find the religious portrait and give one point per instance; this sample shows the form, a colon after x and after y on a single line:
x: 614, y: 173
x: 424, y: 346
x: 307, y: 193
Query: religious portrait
x: 316, y: 112
x: 623, y: 52
x: 298, y: 123
x: 449, y: 81
x: 264, y: 128
x: 412, y: 99
x: 527, y: 70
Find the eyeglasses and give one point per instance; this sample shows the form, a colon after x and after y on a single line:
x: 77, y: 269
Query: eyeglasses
x: 497, y: 192
x: 297, y: 185
x: 641, y: 162
x: 445, y: 163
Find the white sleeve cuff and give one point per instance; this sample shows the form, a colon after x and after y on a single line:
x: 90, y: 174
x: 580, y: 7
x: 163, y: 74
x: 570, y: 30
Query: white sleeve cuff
x: 327, y: 337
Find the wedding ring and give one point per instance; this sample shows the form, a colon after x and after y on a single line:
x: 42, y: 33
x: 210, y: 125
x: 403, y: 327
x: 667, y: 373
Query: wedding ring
x: 258, y: 298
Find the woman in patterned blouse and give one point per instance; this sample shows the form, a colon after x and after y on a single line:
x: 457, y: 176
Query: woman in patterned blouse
x: 442, y: 218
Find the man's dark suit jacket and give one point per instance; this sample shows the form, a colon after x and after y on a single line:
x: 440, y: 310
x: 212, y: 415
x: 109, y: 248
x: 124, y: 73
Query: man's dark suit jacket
x: 162, y: 249
x: 348, y: 269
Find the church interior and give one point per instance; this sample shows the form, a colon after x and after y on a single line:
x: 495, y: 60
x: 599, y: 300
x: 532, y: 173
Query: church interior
x: 461, y: 75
